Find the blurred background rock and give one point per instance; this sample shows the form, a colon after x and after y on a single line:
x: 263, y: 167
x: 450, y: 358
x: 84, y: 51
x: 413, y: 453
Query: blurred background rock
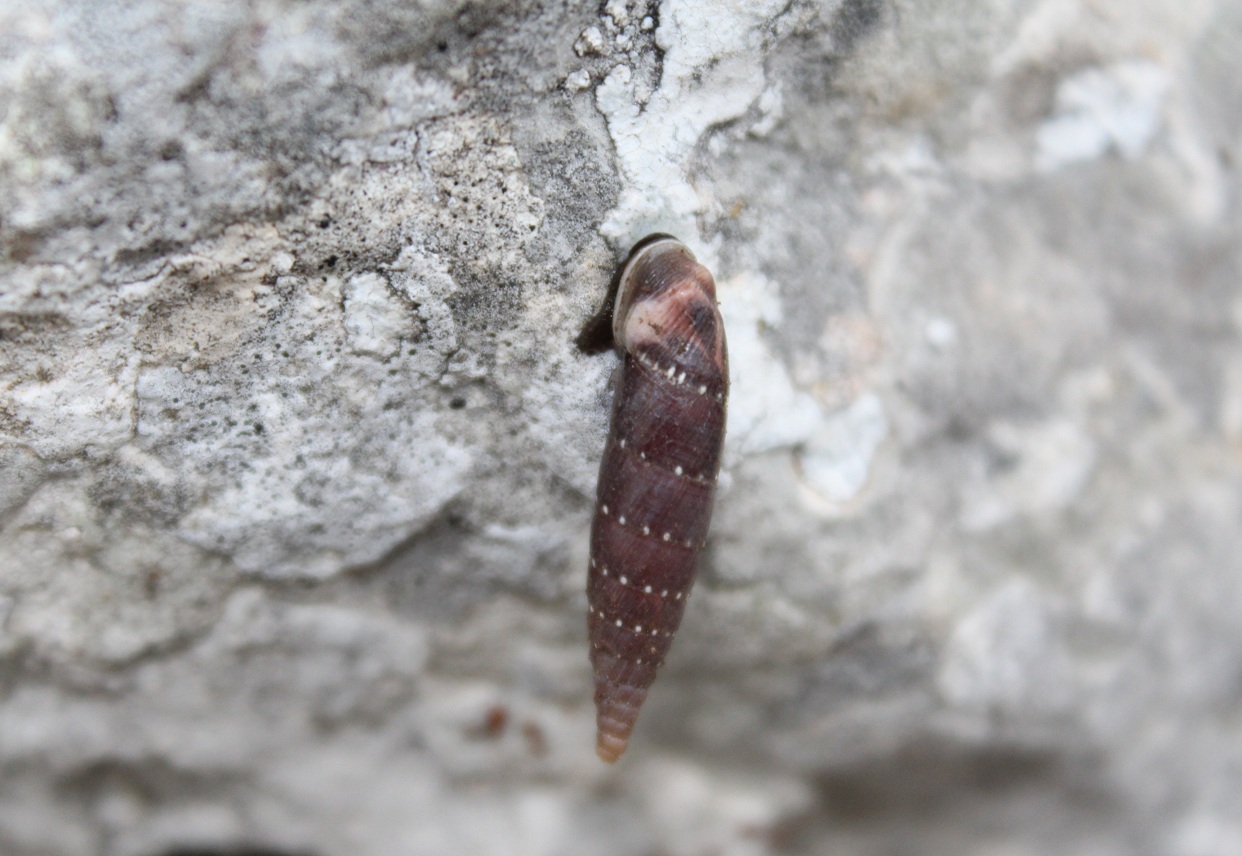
x: 298, y: 458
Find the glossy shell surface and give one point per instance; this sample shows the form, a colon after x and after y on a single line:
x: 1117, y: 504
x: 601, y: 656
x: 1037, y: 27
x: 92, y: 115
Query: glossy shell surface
x: 657, y: 480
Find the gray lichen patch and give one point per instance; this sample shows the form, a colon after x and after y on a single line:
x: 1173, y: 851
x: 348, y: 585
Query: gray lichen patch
x: 95, y: 576
x: 481, y: 195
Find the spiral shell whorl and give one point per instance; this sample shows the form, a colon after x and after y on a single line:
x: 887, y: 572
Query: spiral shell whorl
x: 658, y: 475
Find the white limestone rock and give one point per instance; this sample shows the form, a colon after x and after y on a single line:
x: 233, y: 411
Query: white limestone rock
x: 297, y: 455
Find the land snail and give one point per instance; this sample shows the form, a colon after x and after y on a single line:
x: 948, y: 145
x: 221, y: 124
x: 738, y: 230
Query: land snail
x: 657, y: 480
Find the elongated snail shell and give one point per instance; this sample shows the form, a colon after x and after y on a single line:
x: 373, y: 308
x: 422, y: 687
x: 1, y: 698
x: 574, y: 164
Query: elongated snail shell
x: 657, y: 481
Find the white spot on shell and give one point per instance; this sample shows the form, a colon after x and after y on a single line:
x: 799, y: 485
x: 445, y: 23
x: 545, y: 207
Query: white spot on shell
x: 703, y: 389
x: 646, y: 530
x: 647, y: 589
x: 666, y: 536
x: 621, y: 519
x: 672, y: 370
x: 664, y: 593
x: 604, y: 572
x: 681, y: 378
x: 618, y: 622
x: 624, y: 579
x: 604, y: 509
x: 621, y: 442
x: 677, y: 596
x: 638, y: 628
x: 678, y: 470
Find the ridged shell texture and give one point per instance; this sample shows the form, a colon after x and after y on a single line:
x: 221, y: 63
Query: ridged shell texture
x: 658, y: 476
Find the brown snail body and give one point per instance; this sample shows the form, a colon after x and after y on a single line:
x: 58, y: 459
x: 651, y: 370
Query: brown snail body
x: 657, y: 480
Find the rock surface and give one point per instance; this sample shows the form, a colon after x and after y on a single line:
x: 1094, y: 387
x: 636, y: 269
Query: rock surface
x: 298, y: 457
